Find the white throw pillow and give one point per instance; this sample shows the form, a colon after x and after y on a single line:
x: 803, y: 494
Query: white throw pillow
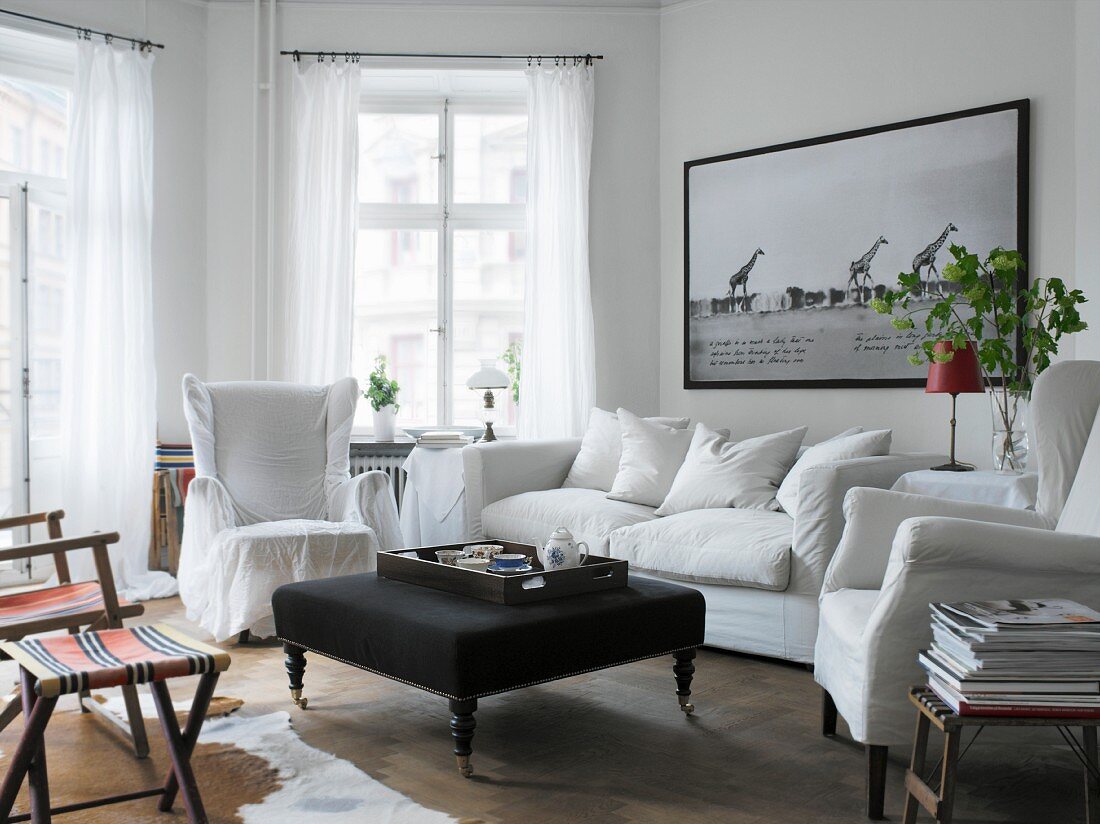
x: 652, y: 455
x: 597, y: 462
x: 855, y: 430
x: 718, y: 473
x: 841, y: 448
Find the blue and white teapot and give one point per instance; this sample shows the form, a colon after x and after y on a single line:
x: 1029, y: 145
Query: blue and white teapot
x: 562, y: 551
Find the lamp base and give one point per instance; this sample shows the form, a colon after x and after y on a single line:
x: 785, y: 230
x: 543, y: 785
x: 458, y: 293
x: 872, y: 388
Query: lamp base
x: 953, y: 467
x: 489, y: 434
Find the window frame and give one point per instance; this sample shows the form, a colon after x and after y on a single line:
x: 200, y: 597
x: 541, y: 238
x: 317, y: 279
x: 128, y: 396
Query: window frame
x: 444, y: 217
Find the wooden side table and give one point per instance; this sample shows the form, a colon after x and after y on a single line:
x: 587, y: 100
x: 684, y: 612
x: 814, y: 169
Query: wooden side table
x: 164, y: 523
x: 940, y: 803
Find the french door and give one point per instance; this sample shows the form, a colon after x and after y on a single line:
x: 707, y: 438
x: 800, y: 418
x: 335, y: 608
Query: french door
x: 32, y: 293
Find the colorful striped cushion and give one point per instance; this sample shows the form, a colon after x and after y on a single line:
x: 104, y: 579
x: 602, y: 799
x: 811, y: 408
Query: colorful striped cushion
x: 65, y: 664
x: 51, y: 602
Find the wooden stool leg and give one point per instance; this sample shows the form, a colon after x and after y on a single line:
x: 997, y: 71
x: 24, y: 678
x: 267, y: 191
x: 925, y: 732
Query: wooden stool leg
x: 876, y: 780
x: 463, y: 724
x: 181, y: 759
x: 195, y: 717
x: 12, y: 707
x: 296, y: 669
x: 684, y: 670
x: 949, y: 774
x: 37, y: 776
x: 828, y: 714
x: 1092, y: 785
x: 24, y: 754
x: 916, y: 767
x: 137, y: 721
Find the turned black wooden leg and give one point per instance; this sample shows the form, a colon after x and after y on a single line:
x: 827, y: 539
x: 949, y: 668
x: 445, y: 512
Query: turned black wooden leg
x: 296, y: 669
x: 876, y: 780
x: 462, y: 731
x: 36, y: 769
x: 828, y: 714
x: 1092, y: 785
x: 683, y: 669
x: 243, y: 636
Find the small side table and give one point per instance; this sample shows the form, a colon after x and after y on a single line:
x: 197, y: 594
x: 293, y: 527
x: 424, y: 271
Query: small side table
x: 433, y: 507
x: 978, y: 487
x: 940, y: 803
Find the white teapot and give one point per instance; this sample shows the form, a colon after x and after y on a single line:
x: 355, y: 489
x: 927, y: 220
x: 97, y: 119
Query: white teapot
x: 562, y: 552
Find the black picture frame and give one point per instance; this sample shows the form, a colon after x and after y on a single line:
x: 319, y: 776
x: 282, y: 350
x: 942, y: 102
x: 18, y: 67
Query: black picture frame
x: 1023, y: 146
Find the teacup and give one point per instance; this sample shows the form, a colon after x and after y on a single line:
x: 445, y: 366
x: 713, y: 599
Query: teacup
x: 476, y: 564
x: 449, y: 556
x: 489, y: 551
x: 510, y: 560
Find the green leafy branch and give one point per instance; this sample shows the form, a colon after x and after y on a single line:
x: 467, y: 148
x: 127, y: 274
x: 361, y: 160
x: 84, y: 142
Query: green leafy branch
x: 512, y: 357
x: 382, y: 390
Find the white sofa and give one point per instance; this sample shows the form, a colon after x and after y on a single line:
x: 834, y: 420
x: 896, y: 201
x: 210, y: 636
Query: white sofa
x: 760, y: 571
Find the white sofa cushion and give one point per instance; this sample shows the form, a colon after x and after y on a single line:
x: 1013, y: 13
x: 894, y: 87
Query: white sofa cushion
x: 530, y: 517
x: 736, y: 547
x: 597, y: 463
x: 652, y: 455
x: 744, y: 474
x: 845, y: 446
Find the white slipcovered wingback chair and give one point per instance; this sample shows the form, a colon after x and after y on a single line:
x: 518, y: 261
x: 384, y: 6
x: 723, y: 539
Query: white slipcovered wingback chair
x: 272, y: 501
x: 899, y: 552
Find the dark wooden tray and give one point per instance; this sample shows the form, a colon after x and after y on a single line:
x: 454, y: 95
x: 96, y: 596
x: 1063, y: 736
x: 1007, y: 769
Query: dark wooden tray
x: 419, y: 566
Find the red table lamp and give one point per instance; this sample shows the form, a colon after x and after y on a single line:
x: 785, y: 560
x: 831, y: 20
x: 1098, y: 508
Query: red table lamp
x: 960, y: 374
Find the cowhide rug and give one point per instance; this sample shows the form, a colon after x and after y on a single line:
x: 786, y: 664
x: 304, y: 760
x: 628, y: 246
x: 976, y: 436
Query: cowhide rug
x: 250, y: 769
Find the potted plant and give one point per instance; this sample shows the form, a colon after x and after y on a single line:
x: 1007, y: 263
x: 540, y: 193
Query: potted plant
x: 1014, y: 332
x: 382, y: 394
x: 511, y: 358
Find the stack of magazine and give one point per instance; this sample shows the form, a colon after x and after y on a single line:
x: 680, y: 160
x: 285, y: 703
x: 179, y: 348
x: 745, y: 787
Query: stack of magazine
x: 1016, y: 658
x: 441, y: 439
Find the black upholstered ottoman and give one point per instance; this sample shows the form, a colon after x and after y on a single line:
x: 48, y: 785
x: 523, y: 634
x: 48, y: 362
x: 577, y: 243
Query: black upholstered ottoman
x: 464, y: 649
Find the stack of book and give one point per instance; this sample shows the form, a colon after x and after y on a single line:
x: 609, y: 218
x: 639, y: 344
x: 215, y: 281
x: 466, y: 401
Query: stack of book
x: 1016, y: 658
x: 441, y: 439
x: 174, y: 456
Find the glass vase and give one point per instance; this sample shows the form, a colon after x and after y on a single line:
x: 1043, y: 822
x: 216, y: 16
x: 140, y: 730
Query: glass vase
x: 1010, y: 422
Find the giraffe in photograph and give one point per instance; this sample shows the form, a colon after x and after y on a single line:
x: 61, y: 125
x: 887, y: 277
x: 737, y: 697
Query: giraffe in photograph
x: 741, y: 278
x: 862, y: 269
x: 927, y: 258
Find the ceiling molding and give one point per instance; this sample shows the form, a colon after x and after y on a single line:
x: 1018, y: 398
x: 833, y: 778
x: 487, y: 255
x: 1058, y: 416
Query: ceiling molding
x: 642, y: 7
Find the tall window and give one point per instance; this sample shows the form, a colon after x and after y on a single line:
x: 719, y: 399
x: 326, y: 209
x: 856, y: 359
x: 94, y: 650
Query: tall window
x: 440, y: 269
x: 35, y: 74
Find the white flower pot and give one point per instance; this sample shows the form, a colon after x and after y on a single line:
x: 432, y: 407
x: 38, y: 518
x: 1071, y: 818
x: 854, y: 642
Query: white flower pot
x: 384, y: 420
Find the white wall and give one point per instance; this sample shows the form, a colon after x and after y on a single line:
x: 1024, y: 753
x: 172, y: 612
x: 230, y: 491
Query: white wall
x: 624, y: 186
x: 179, y: 127
x: 739, y: 74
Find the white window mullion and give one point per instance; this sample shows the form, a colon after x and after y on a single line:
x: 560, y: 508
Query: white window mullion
x: 445, y: 279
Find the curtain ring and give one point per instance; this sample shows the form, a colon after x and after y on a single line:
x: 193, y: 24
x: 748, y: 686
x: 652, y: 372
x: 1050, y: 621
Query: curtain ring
x: 540, y: 61
x: 528, y: 61
x: 108, y: 39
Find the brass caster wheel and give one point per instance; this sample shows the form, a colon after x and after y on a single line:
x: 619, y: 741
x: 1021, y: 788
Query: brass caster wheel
x: 299, y: 700
x: 464, y: 766
x: 688, y: 708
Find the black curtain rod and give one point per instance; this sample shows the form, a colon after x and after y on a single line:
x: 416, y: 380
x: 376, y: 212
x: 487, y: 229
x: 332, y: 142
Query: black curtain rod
x: 84, y: 32
x: 530, y: 58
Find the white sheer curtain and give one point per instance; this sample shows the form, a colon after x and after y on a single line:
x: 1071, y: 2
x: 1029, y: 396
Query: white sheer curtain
x: 109, y: 389
x: 558, y: 380
x: 324, y: 205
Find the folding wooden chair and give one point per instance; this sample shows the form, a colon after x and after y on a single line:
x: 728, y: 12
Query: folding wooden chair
x: 90, y: 605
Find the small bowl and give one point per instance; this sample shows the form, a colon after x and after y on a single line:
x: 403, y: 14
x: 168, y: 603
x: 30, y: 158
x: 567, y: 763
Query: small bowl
x: 476, y: 564
x: 449, y: 556
x: 489, y: 551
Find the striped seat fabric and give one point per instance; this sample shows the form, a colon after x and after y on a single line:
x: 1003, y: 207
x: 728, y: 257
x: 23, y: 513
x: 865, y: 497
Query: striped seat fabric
x: 66, y: 664
x: 51, y: 602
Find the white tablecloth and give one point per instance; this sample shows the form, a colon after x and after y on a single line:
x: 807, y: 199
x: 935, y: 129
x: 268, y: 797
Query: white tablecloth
x: 979, y: 487
x: 433, y: 508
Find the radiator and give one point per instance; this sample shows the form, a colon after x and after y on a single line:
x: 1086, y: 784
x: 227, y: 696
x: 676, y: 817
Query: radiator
x: 390, y: 464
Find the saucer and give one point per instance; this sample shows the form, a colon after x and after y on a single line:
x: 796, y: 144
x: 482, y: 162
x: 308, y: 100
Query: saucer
x: 508, y: 570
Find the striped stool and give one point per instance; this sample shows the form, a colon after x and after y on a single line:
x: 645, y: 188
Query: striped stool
x: 59, y: 665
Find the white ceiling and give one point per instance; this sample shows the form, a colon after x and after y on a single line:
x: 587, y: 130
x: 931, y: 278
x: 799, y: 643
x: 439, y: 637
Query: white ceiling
x: 595, y: 4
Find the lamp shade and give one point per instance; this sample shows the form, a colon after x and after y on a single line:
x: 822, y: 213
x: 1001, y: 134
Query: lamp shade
x: 961, y: 374
x: 488, y: 377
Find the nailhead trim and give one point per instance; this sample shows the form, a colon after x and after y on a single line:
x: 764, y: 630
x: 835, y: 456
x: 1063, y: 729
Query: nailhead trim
x: 491, y: 692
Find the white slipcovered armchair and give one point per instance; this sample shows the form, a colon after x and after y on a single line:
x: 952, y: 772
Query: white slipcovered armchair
x: 272, y: 501
x: 901, y: 552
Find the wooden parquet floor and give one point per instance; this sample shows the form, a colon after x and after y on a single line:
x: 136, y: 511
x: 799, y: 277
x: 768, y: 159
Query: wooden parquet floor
x: 613, y: 747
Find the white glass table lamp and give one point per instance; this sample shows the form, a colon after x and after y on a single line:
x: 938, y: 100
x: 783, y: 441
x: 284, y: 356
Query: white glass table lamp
x: 488, y: 378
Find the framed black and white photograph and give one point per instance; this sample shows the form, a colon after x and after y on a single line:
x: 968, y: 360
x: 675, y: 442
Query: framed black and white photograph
x: 785, y: 246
